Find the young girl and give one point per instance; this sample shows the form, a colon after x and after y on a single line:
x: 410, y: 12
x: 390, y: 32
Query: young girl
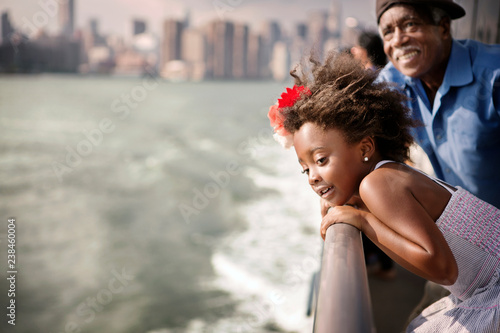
x: 351, y: 136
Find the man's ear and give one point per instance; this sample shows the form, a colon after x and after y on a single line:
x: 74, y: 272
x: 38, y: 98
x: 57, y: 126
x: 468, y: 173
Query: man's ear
x: 445, y: 26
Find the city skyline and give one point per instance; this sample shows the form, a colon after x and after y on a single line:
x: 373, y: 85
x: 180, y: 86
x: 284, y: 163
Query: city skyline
x: 115, y: 15
x: 223, y: 47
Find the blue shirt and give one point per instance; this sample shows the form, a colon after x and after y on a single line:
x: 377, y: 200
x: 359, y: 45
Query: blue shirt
x: 461, y: 135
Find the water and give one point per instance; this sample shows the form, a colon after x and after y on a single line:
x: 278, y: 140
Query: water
x: 147, y: 206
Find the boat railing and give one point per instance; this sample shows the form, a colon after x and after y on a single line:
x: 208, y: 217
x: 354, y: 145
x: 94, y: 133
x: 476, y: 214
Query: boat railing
x: 343, y: 297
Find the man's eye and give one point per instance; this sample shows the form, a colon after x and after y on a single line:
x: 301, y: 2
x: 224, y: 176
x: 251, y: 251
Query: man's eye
x: 321, y: 160
x: 410, y: 25
x: 387, y: 35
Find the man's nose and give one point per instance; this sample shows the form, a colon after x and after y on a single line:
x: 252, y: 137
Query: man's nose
x: 399, y: 37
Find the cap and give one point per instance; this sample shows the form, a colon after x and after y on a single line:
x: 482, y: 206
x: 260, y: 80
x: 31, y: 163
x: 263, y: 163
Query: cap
x: 455, y: 11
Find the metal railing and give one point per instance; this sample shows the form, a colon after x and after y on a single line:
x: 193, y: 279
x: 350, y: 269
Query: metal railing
x: 343, y: 303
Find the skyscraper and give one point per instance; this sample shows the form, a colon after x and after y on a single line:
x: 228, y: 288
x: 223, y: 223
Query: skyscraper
x: 194, y: 47
x: 280, y: 61
x: 301, y: 30
x: 240, y: 51
x: 271, y: 33
x: 317, y: 31
x: 139, y: 27
x: 67, y: 17
x: 220, y: 39
x: 254, y: 61
x: 6, y: 28
x: 172, y: 41
x: 334, y: 17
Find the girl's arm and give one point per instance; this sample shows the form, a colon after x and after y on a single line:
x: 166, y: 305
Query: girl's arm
x: 398, y: 224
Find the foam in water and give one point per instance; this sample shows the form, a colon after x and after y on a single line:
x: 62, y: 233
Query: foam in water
x: 268, y: 267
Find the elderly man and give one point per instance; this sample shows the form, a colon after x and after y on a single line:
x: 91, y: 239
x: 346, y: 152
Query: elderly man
x: 454, y: 90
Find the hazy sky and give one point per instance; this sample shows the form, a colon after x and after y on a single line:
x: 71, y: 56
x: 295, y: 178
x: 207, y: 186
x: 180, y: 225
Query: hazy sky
x: 115, y: 16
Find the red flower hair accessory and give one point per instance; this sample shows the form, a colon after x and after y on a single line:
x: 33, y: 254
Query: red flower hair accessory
x: 288, y: 99
x: 290, y: 96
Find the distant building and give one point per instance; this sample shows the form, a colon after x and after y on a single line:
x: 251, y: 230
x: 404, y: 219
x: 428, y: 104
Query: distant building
x: 317, y: 31
x: 194, y: 53
x: 100, y: 60
x: 334, y: 18
x: 255, y: 56
x: 9, y: 46
x: 139, y: 27
x: 240, y: 51
x: 96, y: 38
x: 350, y: 32
x: 280, y: 62
x: 172, y: 41
x: 301, y: 30
x: 271, y: 33
x: 6, y: 28
x: 187, y: 19
x: 50, y: 54
x: 298, y: 49
x: 67, y: 17
x: 130, y: 62
x: 334, y: 29
x: 220, y: 44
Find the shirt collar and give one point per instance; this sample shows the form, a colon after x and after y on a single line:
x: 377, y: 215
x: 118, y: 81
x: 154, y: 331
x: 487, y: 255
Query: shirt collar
x: 458, y: 71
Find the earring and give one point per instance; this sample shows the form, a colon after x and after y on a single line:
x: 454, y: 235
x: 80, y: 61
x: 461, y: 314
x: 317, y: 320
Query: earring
x: 365, y: 159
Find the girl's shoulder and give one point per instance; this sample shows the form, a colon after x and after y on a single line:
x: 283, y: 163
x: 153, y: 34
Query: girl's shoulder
x: 392, y: 180
x: 392, y: 175
x: 397, y: 184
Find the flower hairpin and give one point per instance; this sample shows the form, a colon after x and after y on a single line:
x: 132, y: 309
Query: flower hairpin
x: 277, y: 117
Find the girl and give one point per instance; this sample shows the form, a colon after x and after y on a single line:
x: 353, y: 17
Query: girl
x: 351, y: 136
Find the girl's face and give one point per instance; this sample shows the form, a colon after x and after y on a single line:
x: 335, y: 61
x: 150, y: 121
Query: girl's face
x: 334, y: 167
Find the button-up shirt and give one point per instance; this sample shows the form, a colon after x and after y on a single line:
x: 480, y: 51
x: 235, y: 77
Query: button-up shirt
x: 461, y: 132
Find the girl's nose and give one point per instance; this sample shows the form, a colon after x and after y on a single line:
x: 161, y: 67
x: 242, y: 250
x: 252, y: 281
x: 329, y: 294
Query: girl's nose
x: 314, y: 177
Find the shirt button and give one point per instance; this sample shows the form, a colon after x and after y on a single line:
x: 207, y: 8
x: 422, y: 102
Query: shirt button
x: 439, y: 137
x: 447, y: 170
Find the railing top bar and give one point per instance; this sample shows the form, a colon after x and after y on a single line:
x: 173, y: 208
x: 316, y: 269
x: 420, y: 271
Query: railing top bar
x: 343, y: 297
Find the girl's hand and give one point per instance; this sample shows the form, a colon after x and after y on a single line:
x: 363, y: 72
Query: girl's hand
x: 343, y: 214
x: 325, y: 206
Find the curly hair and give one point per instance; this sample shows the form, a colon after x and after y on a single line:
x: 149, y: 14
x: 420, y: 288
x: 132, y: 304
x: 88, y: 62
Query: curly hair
x: 345, y: 96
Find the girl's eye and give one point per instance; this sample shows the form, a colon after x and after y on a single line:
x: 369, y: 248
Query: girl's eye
x: 305, y: 171
x: 321, y: 160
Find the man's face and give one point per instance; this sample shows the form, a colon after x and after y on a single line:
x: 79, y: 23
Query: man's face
x: 414, y: 45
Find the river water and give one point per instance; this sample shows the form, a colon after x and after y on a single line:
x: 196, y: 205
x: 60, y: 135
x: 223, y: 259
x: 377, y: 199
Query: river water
x: 148, y: 206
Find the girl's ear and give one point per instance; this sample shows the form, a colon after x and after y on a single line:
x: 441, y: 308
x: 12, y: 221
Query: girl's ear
x: 367, y: 148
